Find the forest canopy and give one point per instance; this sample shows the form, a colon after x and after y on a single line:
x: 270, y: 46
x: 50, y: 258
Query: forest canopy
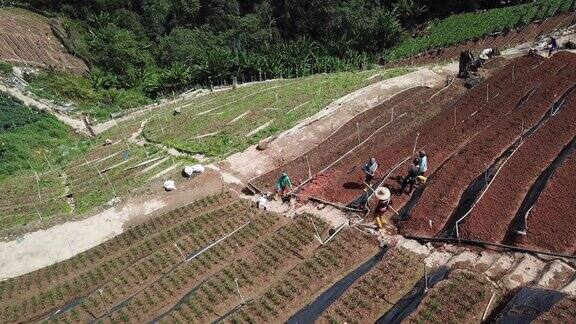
x: 161, y: 46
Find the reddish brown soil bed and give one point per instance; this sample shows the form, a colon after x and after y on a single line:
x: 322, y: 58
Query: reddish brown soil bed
x: 493, y: 215
x: 279, y: 300
x: 343, y: 182
x: 445, y: 187
x: 545, y: 220
x: 441, y: 136
x: 339, y: 143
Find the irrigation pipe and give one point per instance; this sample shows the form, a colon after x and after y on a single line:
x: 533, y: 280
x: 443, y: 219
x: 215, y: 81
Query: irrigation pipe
x: 488, y: 307
x: 522, y: 141
x: 389, y: 173
x: 485, y: 189
x: 317, y: 235
x: 337, y: 231
x: 220, y: 240
x: 483, y: 243
x: 339, y: 206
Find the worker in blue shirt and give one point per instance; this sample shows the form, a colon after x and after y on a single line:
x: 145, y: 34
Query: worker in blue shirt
x: 369, y: 170
x: 423, y: 167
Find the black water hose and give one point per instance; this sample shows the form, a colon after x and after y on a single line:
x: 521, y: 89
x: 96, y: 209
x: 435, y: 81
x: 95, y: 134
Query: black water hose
x: 483, y: 244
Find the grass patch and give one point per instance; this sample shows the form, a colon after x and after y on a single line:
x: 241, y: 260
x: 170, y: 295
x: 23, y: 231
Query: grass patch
x: 227, y: 122
x: 99, y: 103
x: 30, y: 138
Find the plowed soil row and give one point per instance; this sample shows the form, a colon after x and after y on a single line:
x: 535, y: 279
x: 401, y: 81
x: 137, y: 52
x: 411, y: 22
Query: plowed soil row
x: 343, y: 182
x: 139, y: 239
x: 340, y: 142
x: 492, y: 216
x: 444, y: 191
x: 558, y: 198
x: 442, y: 135
x: 502, y: 41
x: 563, y: 311
x: 378, y: 290
x: 27, y: 38
x: 244, y: 255
x: 302, y: 284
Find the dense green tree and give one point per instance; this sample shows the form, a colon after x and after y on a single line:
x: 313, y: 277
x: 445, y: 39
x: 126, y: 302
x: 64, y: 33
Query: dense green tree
x: 221, y: 15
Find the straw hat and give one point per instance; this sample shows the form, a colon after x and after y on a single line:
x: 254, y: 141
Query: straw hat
x: 383, y: 193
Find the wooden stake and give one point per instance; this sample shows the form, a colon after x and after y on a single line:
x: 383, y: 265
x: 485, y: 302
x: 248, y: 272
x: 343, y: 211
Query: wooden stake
x: 425, y: 278
x: 309, y: 169
x: 415, y: 143
x: 182, y: 254
x: 487, y: 307
x: 37, y: 212
x: 45, y: 158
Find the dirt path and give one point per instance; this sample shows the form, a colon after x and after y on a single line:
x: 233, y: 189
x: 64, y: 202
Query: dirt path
x: 39, y: 249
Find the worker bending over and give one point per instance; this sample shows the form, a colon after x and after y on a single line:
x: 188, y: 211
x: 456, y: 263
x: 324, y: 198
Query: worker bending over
x: 284, y: 184
x: 369, y: 170
x: 410, y: 179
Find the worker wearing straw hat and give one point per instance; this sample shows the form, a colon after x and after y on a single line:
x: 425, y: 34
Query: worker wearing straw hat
x: 384, y: 202
x: 383, y: 195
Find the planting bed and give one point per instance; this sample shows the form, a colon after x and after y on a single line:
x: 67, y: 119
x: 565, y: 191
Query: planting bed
x: 280, y: 297
x: 378, y: 290
x: 341, y: 141
x: 343, y: 182
x: 562, y: 312
x: 441, y: 136
x: 451, y: 190
x: 42, y: 292
x: 461, y: 298
x: 27, y: 38
x: 487, y: 222
x: 218, y: 128
x: 556, y: 199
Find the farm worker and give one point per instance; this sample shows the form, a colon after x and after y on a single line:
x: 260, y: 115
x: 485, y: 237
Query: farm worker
x: 283, y: 184
x: 410, y: 179
x: 423, y: 162
x: 384, y: 199
x: 369, y: 170
x: 553, y: 46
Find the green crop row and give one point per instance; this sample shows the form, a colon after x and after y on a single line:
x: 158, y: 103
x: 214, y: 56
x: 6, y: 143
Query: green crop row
x: 468, y: 26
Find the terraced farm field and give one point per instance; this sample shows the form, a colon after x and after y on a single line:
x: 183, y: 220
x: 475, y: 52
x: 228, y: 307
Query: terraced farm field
x: 218, y: 257
x: 27, y: 38
x: 515, y: 127
x: 227, y: 122
x: 91, y: 179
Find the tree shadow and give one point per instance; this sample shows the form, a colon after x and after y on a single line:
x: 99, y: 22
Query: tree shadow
x: 353, y: 185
